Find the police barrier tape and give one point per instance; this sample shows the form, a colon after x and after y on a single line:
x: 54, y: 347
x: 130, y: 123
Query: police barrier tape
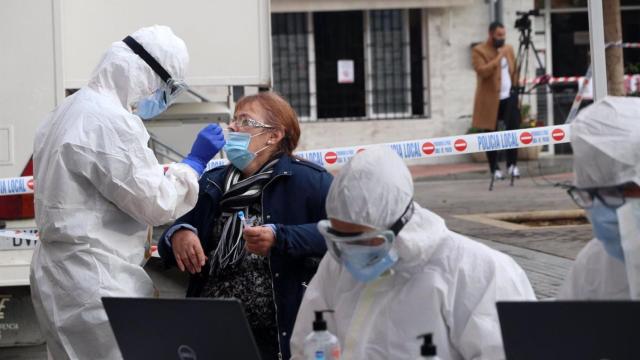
x: 411, y: 149
x: 28, y: 238
x: 626, y: 45
x: 577, y: 101
x: 18, y: 239
x: 443, y: 146
x: 16, y: 186
x: 450, y: 145
x: 631, y: 79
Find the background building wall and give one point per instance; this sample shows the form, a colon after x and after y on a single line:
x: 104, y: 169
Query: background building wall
x: 449, y: 33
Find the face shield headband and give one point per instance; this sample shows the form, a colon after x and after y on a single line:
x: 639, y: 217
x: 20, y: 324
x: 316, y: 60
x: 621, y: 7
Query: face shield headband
x: 173, y: 87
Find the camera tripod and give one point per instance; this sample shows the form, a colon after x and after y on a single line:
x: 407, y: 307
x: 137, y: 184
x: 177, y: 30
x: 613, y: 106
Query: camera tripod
x: 525, y: 47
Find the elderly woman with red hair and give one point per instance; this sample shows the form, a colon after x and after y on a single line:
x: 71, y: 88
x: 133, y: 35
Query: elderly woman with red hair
x: 252, y: 234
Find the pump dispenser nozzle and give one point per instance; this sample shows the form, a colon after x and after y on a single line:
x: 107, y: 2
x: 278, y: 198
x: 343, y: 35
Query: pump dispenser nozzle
x: 427, y: 348
x: 320, y: 324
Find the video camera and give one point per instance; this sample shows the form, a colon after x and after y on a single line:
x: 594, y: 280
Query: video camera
x: 523, y: 23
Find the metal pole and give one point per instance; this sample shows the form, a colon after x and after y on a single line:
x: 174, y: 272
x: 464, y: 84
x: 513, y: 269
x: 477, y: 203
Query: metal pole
x: 596, y: 38
x: 492, y: 10
x: 499, y: 9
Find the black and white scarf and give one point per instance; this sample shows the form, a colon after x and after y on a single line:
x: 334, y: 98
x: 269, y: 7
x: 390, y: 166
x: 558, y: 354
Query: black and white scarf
x: 238, y: 195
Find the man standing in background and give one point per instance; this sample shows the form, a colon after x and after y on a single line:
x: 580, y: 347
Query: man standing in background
x: 495, y: 66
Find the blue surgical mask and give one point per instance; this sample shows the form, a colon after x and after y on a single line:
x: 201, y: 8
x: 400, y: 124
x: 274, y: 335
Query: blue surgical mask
x: 367, y: 263
x: 237, y: 149
x: 604, y: 221
x: 152, y: 106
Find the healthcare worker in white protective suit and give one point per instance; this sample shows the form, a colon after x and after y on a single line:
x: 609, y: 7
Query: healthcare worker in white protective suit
x: 395, y: 272
x: 606, y: 144
x: 99, y: 187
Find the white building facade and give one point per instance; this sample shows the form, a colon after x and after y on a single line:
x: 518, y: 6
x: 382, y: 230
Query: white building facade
x: 364, y: 72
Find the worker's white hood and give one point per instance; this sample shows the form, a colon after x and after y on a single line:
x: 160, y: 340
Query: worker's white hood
x: 124, y: 75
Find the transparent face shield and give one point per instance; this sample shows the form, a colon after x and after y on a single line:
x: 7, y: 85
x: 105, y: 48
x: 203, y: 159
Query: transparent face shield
x: 173, y: 89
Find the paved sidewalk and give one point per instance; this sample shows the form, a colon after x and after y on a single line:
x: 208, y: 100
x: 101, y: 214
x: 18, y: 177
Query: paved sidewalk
x: 548, y: 166
x: 424, y: 172
x: 546, y: 272
x: 545, y: 253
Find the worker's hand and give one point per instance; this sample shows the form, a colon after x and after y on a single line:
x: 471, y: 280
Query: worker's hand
x: 259, y: 240
x: 188, y: 251
x: 207, y: 144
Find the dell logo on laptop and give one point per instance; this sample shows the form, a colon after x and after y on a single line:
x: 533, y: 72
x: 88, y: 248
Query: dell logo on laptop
x: 186, y: 353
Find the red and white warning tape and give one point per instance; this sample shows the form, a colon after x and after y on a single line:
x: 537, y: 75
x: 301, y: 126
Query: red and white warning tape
x: 18, y: 239
x: 28, y: 238
x: 630, y: 78
x: 547, y: 79
x: 626, y: 45
x: 582, y: 91
x: 411, y: 149
x: 16, y: 186
x: 443, y: 146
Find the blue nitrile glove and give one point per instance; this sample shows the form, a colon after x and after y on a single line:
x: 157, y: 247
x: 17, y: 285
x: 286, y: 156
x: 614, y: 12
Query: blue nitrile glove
x: 208, y: 142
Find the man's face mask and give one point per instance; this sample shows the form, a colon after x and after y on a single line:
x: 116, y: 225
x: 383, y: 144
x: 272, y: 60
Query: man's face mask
x: 498, y: 37
x: 365, y: 255
x: 159, y: 101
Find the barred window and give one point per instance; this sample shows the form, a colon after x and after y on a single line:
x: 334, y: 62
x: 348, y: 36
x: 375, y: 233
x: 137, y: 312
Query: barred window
x: 291, y: 59
x: 389, y: 56
x: 350, y: 64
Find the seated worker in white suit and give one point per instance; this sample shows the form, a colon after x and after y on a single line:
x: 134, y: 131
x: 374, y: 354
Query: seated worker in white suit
x: 396, y: 271
x: 606, y: 144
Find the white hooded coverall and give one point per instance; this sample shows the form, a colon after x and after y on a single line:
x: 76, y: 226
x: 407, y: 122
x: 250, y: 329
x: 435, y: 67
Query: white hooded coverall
x: 443, y: 282
x: 606, y: 142
x: 595, y: 275
x: 98, y: 188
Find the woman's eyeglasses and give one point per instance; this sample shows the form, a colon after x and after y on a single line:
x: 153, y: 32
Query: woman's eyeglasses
x: 244, y: 121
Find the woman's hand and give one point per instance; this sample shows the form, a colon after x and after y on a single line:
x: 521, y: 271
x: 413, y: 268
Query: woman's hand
x: 259, y: 240
x: 188, y: 251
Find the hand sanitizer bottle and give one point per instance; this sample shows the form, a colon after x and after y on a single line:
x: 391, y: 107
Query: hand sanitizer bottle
x: 321, y: 344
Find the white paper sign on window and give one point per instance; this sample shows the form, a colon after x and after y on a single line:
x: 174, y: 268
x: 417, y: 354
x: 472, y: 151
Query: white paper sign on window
x: 588, y: 92
x: 345, y: 72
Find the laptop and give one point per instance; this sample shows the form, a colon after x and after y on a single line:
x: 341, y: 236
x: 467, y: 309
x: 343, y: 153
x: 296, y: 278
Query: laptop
x: 583, y: 330
x: 180, y: 329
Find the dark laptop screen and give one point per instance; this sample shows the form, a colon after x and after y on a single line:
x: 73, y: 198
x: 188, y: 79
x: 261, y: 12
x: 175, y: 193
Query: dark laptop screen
x: 182, y: 329
x: 570, y: 329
